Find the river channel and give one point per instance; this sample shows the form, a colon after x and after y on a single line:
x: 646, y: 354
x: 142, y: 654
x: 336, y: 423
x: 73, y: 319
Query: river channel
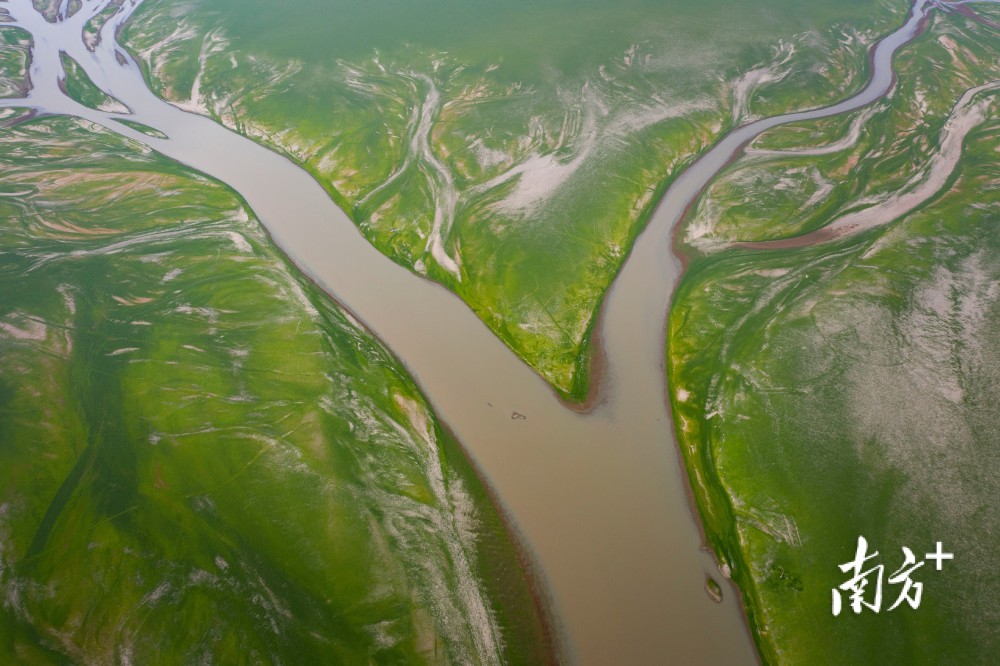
x: 598, y: 499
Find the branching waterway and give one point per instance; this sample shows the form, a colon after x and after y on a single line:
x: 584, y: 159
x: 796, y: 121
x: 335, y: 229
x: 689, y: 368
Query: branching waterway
x: 597, y: 498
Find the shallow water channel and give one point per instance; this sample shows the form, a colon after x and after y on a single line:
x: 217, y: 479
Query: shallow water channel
x: 599, y: 498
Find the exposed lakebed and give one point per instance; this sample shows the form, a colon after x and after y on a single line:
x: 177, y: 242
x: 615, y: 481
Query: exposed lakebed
x: 599, y: 497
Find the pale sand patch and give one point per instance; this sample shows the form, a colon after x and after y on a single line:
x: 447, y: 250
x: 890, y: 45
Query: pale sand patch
x: 30, y: 329
x: 123, y: 350
x: 135, y: 300
x: 239, y: 242
x: 416, y: 416
x: 70, y: 228
x: 442, y: 183
x: 750, y: 81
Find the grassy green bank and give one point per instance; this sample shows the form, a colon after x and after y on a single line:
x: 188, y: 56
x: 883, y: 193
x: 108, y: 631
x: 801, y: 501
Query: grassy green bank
x: 851, y: 389
x: 14, y: 44
x: 511, y: 151
x: 79, y: 87
x: 202, y: 459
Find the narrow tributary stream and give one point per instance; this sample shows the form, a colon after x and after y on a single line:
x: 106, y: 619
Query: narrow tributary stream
x: 598, y: 498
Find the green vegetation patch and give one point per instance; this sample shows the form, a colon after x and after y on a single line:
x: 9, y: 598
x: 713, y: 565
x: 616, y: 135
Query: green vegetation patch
x: 204, y: 459
x: 851, y: 389
x: 14, y: 44
x: 78, y: 86
x: 145, y: 129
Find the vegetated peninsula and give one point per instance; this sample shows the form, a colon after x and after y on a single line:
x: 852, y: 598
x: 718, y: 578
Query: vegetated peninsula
x: 840, y: 378
x: 511, y: 151
x: 203, y: 458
